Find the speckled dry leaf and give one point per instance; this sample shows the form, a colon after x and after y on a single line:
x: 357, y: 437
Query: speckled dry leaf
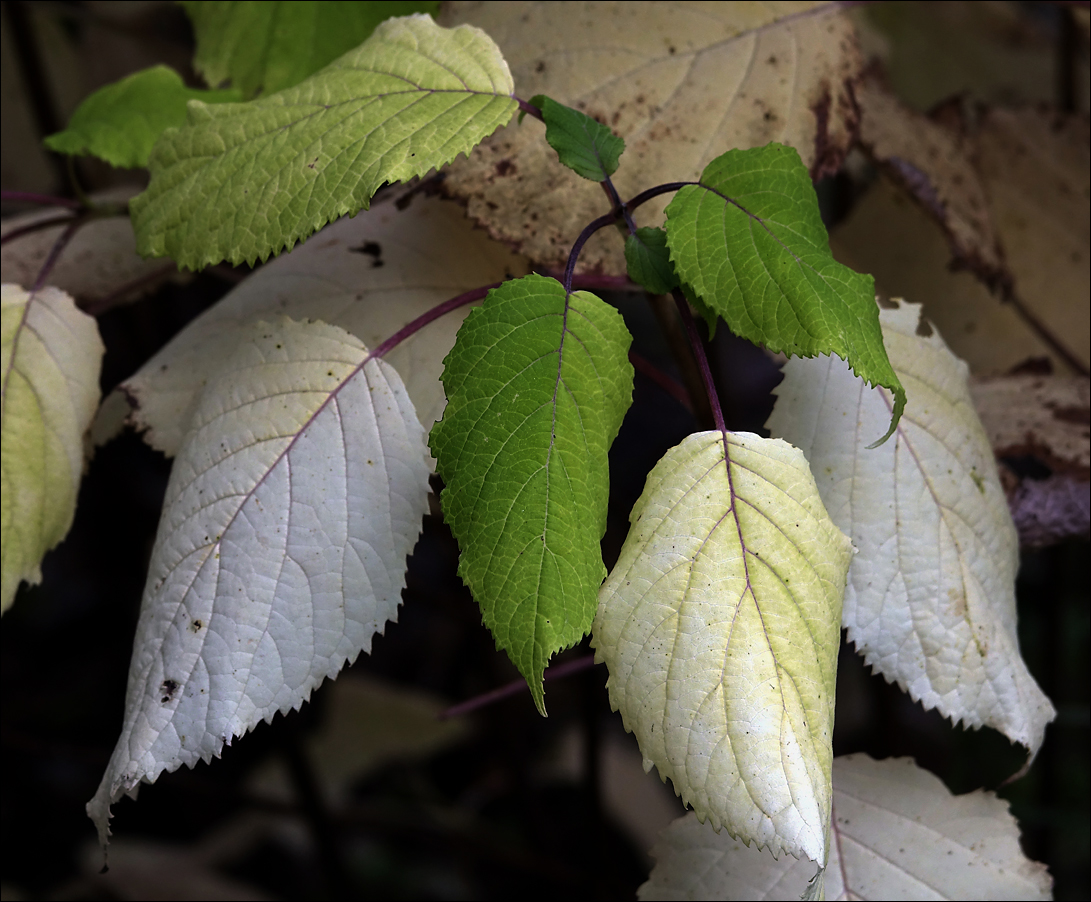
x: 900, y: 834
x: 1036, y: 165
x: 371, y: 275
x: 930, y: 599
x: 99, y: 264
x: 719, y: 625
x: 296, y: 495
x: 891, y: 237
x: 1043, y: 416
x: 680, y: 82
x: 933, y: 164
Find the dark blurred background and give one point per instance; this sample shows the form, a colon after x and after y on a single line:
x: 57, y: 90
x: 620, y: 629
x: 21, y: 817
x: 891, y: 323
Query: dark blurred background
x: 498, y: 802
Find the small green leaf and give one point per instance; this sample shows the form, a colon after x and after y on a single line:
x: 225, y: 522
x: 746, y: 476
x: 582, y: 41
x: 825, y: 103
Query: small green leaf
x: 266, y: 47
x: 585, y: 146
x: 537, y: 385
x: 120, y: 122
x: 242, y: 181
x: 749, y: 239
x: 648, y: 261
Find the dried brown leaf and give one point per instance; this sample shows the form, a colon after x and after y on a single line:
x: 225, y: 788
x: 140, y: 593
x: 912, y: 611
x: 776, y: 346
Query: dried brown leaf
x: 681, y: 82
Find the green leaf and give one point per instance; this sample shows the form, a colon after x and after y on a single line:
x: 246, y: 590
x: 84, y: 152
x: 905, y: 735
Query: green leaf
x: 50, y: 356
x: 585, y: 146
x: 120, y: 122
x: 266, y: 47
x: 537, y: 385
x: 720, y: 625
x: 749, y: 239
x: 648, y: 261
x: 242, y: 181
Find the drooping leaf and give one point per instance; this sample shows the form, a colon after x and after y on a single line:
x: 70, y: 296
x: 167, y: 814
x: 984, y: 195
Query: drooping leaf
x: 680, y: 83
x: 242, y: 181
x: 120, y: 122
x: 370, y: 275
x: 930, y: 601
x: 900, y: 835
x: 648, y: 261
x: 749, y: 240
x: 50, y: 355
x: 585, y: 146
x: 99, y: 267
x: 720, y: 625
x: 291, y: 507
x: 263, y: 47
x: 537, y: 385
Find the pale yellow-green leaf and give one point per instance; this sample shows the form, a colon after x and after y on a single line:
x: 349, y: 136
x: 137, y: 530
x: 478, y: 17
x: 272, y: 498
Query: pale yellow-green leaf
x: 930, y: 600
x: 682, y: 83
x: 720, y: 625
x: 50, y: 361
x: 370, y: 275
x: 899, y: 834
x: 295, y: 497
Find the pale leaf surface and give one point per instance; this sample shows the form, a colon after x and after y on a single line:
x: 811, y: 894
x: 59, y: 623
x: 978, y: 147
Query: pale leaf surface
x: 370, y: 275
x: 239, y: 182
x: 680, y: 82
x: 930, y: 601
x: 720, y: 625
x: 898, y: 834
x: 267, y: 46
x: 537, y: 385
x: 49, y: 359
x: 291, y: 507
x: 99, y: 264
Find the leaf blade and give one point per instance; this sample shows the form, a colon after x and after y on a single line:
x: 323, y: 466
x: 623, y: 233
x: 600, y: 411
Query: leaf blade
x: 749, y: 240
x: 282, y: 548
x: 544, y: 379
x: 410, y: 98
x: 585, y: 146
x: 50, y: 357
x: 931, y: 604
x: 712, y: 691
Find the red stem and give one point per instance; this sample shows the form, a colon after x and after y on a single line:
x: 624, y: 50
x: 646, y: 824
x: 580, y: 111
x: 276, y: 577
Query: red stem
x: 45, y: 200
x: 702, y: 361
x: 515, y: 687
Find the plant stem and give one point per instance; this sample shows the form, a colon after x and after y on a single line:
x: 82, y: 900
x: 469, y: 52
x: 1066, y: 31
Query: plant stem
x: 600, y: 223
x: 55, y: 253
x: 529, y: 108
x: 468, y: 297
x: 702, y: 361
x: 45, y: 200
x: 40, y: 225
x: 515, y: 687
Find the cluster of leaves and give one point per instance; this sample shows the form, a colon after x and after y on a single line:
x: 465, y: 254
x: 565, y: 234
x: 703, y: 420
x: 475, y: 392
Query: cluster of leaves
x: 302, y: 454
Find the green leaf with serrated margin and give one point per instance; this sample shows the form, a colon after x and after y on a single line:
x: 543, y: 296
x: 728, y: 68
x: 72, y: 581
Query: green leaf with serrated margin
x: 648, y: 261
x: 749, y: 239
x: 121, y: 122
x: 262, y: 47
x: 585, y: 146
x: 242, y: 181
x: 537, y: 385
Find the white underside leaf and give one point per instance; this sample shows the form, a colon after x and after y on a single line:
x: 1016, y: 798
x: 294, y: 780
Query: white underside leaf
x: 898, y: 834
x: 930, y: 601
x: 292, y: 505
x: 720, y: 627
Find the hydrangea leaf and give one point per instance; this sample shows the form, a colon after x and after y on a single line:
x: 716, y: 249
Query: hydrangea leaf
x: 50, y: 356
x: 900, y: 835
x: 930, y: 601
x: 281, y: 551
x: 371, y: 275
x: 120, y: 122
x: 648, y: 261
x: 537, y: 385
x: 720, y: 625
x: 749, y: 240
x: 263, y: 47
x: 242, y: 181
x: 585, y: 146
